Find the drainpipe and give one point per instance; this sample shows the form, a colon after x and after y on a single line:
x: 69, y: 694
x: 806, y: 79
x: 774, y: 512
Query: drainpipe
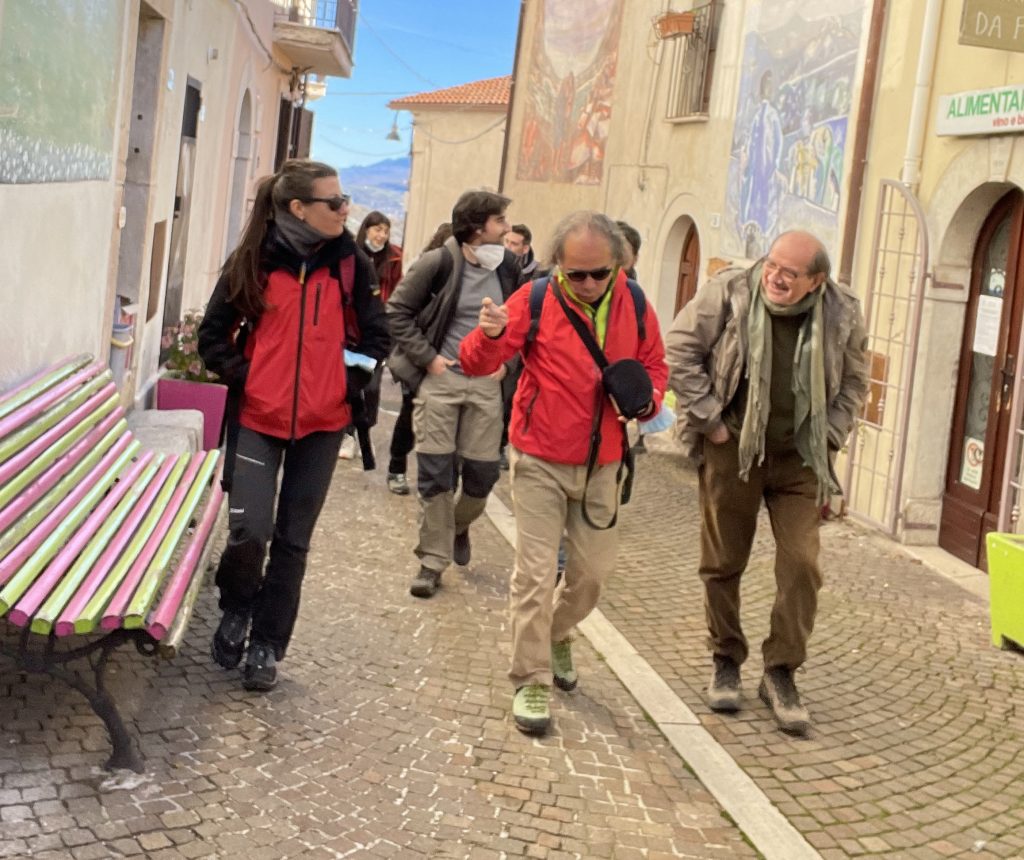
x: 911, y: 174
x: 511, y: 99
x: 865, y: 112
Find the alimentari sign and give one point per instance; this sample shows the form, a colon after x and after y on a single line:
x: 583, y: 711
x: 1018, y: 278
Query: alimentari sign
x: 993, y: 24
x: 995, y: 111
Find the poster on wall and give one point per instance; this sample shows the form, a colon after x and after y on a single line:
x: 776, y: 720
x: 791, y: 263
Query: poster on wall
x: 58, y: 103
x: 569, y: 87
x: 799, y: 66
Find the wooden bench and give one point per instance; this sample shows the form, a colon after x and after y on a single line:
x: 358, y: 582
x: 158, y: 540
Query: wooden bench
x: 101, y: 542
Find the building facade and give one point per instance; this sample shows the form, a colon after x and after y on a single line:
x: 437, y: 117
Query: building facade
x: 458, y: 136
x: 128, y: 166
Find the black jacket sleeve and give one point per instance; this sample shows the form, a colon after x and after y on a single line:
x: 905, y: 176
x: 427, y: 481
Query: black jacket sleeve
x: 374, y: 337
x: 218, y: 344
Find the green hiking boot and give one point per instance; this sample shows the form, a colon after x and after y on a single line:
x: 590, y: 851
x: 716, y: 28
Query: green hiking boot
x: 561, y: 665
x: 530, y: 709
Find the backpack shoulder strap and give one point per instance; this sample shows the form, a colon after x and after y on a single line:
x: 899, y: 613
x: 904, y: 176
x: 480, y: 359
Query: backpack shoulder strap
x: 347, y: 277
x: 640, y: 306
x: 444, y: 270
x: 537, y: 290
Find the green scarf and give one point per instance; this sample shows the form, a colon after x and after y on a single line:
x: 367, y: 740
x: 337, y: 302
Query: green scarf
x: 810, y: 415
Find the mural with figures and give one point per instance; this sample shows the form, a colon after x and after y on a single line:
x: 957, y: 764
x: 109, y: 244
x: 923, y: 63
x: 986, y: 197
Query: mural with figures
x: 58, y: 63
x: 789, y: 140
x: 569, y: 91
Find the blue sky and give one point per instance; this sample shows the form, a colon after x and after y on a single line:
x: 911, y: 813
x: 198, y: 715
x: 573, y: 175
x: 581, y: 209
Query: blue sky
x: 405, y: 47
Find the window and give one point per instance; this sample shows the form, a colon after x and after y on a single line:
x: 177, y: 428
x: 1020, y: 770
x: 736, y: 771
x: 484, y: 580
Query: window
x: 692, y: 48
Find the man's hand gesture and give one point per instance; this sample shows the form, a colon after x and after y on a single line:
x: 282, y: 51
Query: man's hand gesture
x: 493, y: 318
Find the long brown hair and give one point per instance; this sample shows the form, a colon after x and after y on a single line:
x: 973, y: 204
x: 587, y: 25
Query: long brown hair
x: 246, y: 280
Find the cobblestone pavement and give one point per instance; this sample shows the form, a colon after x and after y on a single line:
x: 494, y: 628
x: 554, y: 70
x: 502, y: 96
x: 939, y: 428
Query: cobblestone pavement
x: 918, y: 746
x: 387, y: 737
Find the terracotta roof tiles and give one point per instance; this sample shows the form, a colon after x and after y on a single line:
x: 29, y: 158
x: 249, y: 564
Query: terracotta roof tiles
x: 489, y: 92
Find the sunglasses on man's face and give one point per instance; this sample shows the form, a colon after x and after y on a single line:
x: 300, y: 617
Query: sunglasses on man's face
x: 578, y: 276
x: 335, y: 203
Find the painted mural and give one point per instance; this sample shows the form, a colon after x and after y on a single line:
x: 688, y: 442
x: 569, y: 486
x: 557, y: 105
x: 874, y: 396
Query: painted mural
x: 58, y: 89
x: 789, y: 140
x: 569, y: 91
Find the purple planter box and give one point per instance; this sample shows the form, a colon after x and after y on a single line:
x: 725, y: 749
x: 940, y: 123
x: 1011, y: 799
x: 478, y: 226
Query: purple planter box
x: 207, y: 397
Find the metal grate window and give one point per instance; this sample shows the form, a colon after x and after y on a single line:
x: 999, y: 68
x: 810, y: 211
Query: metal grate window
x: 692, y: 62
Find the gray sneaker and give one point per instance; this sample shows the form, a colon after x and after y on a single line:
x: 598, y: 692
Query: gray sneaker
x: 426, y: 583
x: 398, y: 484
x: 778, y: 691
x: 724, y: 686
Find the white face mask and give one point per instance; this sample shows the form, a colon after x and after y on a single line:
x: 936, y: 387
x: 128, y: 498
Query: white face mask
x: 374, y: 246
x: 489, y: 256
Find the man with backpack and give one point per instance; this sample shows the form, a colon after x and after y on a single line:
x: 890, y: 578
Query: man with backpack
x: 592, y: 359
x: 457, y: 420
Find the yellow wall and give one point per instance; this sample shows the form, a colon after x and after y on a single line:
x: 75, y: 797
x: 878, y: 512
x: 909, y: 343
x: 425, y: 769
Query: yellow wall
x: 453, y: 151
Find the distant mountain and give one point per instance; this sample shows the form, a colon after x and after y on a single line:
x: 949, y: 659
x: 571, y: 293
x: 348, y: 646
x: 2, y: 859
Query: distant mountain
x: 381, y: 186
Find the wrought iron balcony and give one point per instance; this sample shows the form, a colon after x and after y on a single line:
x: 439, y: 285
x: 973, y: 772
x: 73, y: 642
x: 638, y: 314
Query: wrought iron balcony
x: 318, y: 36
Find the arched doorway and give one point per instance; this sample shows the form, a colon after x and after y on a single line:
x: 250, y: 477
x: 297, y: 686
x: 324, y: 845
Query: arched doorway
x: 240, y: 173
x: 981, y: 416
x: 689, y: 268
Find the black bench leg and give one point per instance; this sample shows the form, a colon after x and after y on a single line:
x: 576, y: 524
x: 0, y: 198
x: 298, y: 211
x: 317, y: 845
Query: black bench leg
x: 125, y: 752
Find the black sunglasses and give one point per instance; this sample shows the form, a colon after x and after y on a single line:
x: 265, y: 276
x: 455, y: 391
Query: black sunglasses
x: 335, y: 203
x: 578, y: 276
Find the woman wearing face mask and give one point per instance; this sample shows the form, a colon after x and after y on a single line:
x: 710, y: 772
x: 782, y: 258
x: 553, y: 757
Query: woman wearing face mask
x: 372, y: 239
x: 274, y: 330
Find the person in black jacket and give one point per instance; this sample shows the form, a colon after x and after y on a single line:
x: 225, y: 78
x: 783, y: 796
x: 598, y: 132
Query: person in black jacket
x: 291, y: 297
x: 457, y: 420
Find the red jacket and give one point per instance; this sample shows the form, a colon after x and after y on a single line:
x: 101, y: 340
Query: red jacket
x: 553, y: 409
x: 291, y: 376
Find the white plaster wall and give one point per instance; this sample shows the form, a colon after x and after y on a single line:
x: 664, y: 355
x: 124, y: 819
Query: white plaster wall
x: 452, y: 151
x: 54, y: 242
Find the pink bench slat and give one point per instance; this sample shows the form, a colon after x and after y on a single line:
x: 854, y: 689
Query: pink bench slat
x: 40, y: 404
x: 114, y: 614
x: 66, y: 623
x: 162, y: 617
x: 31, y: 600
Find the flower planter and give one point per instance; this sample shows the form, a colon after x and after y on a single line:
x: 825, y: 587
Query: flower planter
x: 208, y: 397
x: 1006, y: 588
x: 674, y: 24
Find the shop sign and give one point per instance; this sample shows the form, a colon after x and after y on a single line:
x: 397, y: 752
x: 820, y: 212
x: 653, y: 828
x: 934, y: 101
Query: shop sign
x: 995, y: 111
x: 974, y: 462
x: 993, y: 24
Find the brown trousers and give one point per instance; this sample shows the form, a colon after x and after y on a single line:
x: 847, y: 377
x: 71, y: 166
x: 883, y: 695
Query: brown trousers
x: 729, y: 509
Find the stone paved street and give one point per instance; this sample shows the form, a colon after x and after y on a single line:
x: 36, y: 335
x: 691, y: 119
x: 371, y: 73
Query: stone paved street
x: 918, y: 747
x: 388, y: 736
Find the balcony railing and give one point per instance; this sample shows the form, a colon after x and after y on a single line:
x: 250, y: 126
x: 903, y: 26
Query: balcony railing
x: 692, y: 63
x: 298, y: 24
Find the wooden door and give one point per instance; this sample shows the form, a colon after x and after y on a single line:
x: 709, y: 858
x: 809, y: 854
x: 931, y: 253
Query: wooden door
x: 988, y: 354
x: 686, y: 280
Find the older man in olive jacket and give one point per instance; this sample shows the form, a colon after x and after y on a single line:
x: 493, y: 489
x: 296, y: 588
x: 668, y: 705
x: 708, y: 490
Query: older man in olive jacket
x: 768, y: 366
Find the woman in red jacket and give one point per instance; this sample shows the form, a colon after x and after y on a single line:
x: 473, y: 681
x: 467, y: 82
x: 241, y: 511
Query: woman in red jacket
x: 372, y: 239
x: 275, y: 331
x: 567, y: 442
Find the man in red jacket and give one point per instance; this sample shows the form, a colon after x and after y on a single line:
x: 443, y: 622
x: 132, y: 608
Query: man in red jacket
x: 567, y: 440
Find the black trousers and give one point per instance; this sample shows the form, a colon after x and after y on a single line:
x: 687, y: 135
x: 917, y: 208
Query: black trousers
x: 271, y: 596
x: 402, y: 438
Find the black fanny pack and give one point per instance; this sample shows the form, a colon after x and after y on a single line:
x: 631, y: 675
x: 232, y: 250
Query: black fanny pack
x: 628, y: 386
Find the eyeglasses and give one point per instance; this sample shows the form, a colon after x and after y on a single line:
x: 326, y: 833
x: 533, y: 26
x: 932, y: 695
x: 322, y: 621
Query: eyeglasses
x: 335, y: 203
x: 787, y: 275
x: 578, y: 276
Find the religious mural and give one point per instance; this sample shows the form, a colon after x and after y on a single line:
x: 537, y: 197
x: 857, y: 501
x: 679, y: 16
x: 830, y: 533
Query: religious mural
x: 569, y: 91
x: 799, y: 66
x: 59, y: 70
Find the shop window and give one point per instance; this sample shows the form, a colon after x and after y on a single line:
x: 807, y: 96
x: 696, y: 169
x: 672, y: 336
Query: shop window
x: 691, y: 38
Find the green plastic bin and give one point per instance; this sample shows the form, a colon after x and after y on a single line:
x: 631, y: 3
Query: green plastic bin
x: 1006, y: 588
